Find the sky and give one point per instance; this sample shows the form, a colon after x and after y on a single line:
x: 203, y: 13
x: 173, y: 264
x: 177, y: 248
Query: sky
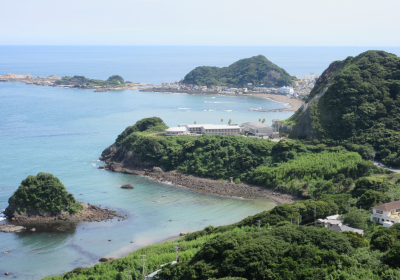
x: 200, y: 22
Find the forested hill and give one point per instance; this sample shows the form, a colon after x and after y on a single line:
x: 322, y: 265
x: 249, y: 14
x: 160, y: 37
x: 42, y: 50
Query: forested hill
x: 257, y: 70
x: 356, y: 100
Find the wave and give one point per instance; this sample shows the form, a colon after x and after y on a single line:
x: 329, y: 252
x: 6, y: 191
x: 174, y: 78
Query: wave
x: 208, y: 110
x: 229, y: 110
x: 183, y: 108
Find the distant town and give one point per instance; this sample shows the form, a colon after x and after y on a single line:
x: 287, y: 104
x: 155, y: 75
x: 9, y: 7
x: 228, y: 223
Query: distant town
x: 301, y: 87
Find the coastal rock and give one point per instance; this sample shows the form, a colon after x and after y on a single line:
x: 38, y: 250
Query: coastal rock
x: 11, y: 228
x: 127, y: 186
x: 182, y: 234
x: 103, y: 259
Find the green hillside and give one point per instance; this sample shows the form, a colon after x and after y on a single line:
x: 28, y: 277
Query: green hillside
x: 356, y: 100
x: 257, y: 70
x: 82, y: 81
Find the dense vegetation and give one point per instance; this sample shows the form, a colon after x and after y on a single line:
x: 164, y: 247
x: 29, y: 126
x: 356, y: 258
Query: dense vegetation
x: 82, y: 81
x: 289, y: 166
x: 361, y: 105
x: 275, y: 249
x: 44, y: 193
x: 257, y: 70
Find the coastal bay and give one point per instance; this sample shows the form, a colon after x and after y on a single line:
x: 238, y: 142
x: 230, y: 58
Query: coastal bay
x: 63, y: 131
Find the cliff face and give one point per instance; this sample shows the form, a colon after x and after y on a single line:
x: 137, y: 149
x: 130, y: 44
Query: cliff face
x: 118, y: 159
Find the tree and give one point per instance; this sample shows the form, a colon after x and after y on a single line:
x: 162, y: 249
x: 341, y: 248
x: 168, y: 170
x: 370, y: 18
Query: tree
x: 42, y: 192
x: 230, y: 121
x: 356, y: 219
x: 393, y: 256
x: 259, y: 120
x: 195, y: 122
x: 222, y: 120
x: 263, y: 121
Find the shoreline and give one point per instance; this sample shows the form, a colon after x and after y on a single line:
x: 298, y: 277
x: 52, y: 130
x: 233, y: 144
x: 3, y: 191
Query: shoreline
x: 52, y: 79
x: 206, y: 185
x: 294, y: 104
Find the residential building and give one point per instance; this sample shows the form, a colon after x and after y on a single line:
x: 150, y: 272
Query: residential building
x: 335, y: 223
x: 257, y: 128
x: 386, y: 214
x: 286, y: 90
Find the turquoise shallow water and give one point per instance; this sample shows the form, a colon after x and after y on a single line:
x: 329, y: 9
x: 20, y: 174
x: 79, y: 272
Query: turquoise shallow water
x: 64, y: 131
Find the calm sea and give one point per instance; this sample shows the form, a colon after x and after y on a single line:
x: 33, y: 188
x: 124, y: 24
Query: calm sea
x: 64, y: 131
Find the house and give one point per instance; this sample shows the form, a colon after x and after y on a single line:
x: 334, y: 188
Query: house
x: 335, y: 223
x: 386, y: 214
x: 257, y: 128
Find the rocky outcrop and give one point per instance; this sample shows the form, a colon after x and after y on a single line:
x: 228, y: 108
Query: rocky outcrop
x: 90, y: 213
x: 11, y: 228
x: 122, y: 161
x: 104, y: 259
x: 127, y: 186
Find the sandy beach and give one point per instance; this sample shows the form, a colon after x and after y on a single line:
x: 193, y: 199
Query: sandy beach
x: 295, y: 104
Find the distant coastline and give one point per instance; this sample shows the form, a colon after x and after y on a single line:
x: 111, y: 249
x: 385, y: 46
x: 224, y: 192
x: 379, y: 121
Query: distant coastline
x: 52, y: 81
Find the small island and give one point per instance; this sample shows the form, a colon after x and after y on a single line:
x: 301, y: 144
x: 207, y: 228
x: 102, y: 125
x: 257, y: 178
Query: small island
x: 114, y: 82
x: 43, y: 198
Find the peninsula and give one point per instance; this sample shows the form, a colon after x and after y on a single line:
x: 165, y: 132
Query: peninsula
x: 345, y: 228
x: 43, y: 198
x: 81, y: 82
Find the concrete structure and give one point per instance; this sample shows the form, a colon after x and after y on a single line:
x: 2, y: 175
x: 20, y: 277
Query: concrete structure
x: 334, y: 223
x: 190, y: 129
x: 257, y: 128
x: 386, y: 213
x: 286, y: 90
x: 220, y: 129
x: 175, y: 131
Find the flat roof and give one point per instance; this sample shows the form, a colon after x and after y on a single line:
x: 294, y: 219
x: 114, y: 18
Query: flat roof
x: 221, y: 126
x: 194, y: 125
x: 176, y: 129
x: 256, y: 125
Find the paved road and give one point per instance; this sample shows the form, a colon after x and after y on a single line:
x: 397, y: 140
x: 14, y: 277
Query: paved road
x: 380, y: 164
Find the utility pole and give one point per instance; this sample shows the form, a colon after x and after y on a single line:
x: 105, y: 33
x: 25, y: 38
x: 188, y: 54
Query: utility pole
x: 393, y: 194
x: 129, y: 275
x: 348, y: 205
x: 259, y: 225
x: 144, y: 267
x: 176, y: 252
x: 291, y: 221
x: 298, y: 220
x: 315, y: 216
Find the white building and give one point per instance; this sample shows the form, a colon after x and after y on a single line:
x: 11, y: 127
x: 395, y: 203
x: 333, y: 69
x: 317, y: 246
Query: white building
x: 286, y: 90
x: 257, y: 128
x: 175, y: 131
x: 386, y: 214
x: 212, y: 129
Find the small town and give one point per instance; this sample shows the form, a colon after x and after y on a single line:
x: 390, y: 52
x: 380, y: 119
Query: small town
x: 301, y: 88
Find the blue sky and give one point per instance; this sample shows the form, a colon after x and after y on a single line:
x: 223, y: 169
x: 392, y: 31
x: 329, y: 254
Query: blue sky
x: 200, y: 22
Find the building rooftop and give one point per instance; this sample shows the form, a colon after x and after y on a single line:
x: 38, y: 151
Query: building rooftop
x: 208, y: 126
x: 347, y: 228
x: 256, y: 125
x: 177, y: 129
x: 194, y: 125
x: 388, y: 206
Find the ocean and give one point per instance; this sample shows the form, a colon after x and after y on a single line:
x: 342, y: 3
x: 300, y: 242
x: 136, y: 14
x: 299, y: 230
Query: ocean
x: 63, y: 132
